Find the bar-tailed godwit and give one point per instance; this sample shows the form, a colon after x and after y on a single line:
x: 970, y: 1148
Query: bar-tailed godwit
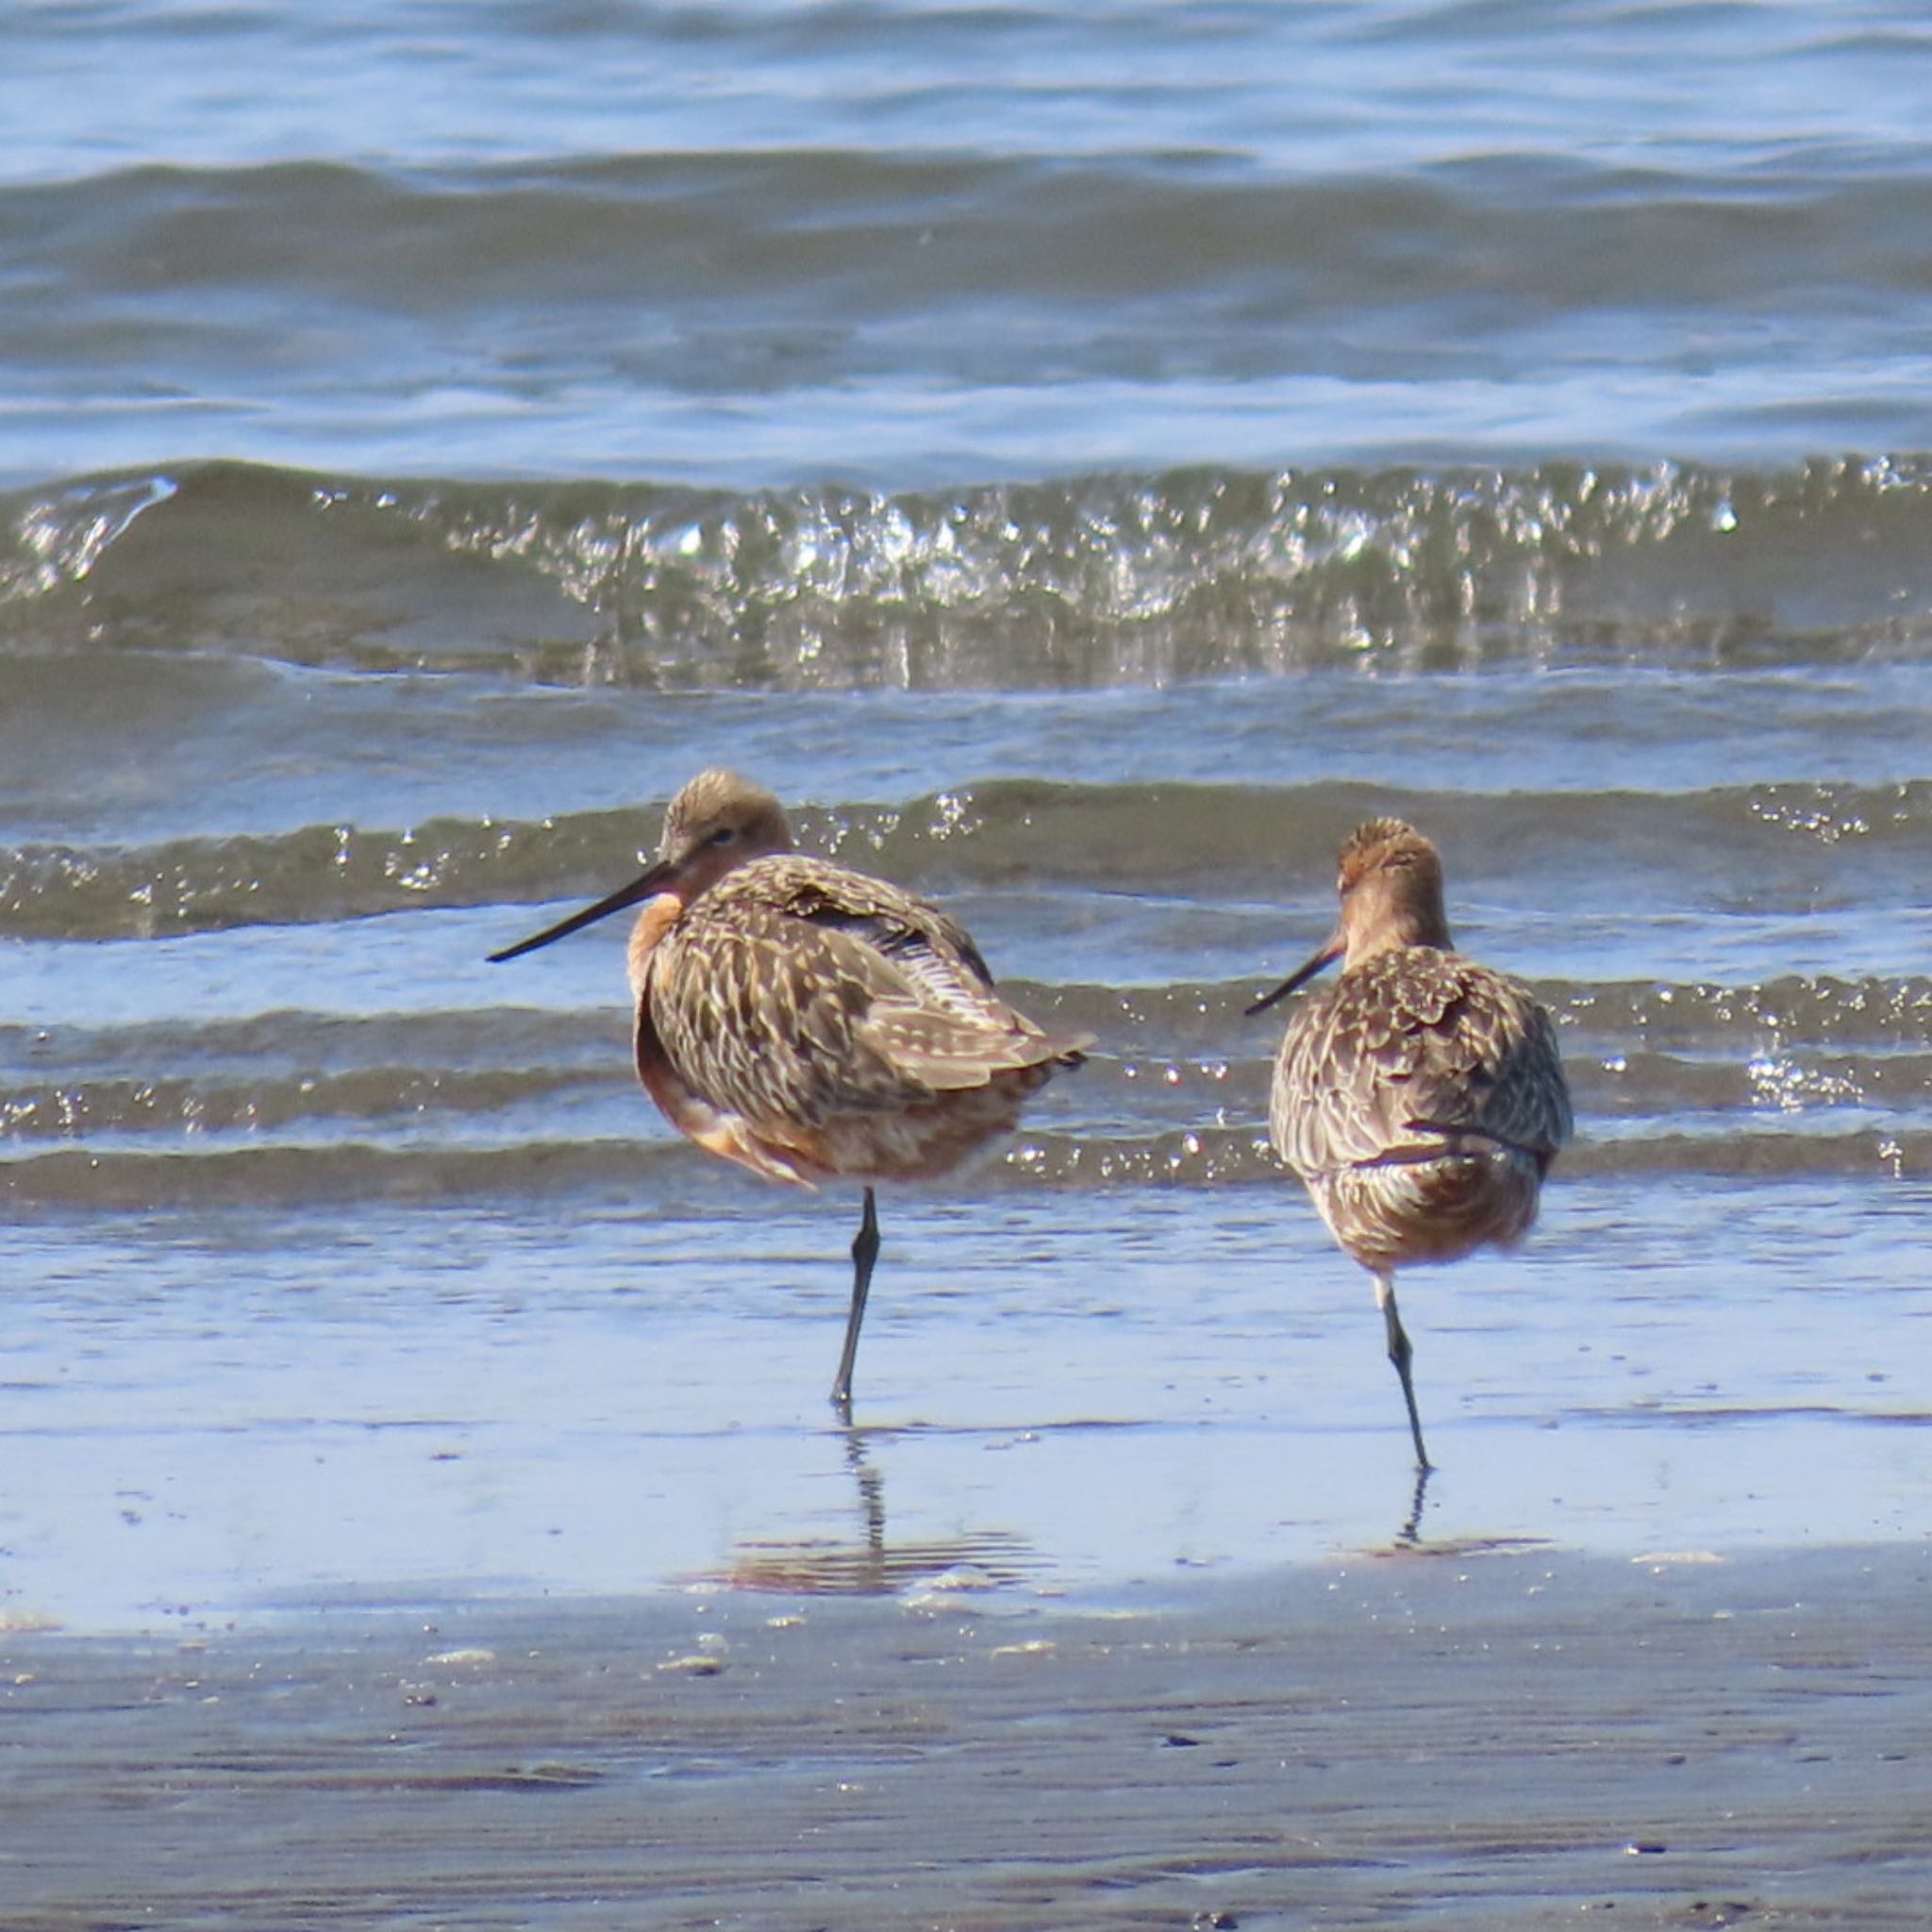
x: 808, y: 1021
x: 1421, y: 1098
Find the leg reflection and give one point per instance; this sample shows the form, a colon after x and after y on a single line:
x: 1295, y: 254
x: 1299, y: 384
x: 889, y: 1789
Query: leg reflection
x: 1410, y: 1535
x: 871, y: 1491
x: 859, y: 1558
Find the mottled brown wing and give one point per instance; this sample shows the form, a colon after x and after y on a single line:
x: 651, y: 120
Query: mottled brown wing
x: 1415, y: 1041
x: 796, y: 990
x: 895, y: 921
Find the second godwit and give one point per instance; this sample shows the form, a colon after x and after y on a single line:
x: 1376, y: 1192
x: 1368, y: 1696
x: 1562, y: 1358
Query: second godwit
x: 808, y: 1021
x: 1421, y: 1098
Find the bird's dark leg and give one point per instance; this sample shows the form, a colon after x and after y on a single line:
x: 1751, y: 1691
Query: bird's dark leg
x: 865, y: 1251
x: 1401, y: 1353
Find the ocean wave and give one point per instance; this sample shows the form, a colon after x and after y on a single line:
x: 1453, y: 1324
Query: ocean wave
x: 1245, y: 845
x: 1091, y: 581
x: 1793, y: 1076
x: 643, y: 1173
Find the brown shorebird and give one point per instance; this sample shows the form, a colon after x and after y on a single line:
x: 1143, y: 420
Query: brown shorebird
x: 1421, y: 1098
x: 808, y: 1021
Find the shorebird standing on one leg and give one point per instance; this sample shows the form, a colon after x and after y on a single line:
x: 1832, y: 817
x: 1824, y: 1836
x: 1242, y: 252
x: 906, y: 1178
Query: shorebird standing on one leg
x: 1421, y: 1098
x: 808, y: 1021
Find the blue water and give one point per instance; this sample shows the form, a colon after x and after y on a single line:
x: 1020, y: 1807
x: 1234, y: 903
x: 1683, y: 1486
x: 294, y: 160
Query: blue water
x: 752, y: 243
x: 1084, y: 458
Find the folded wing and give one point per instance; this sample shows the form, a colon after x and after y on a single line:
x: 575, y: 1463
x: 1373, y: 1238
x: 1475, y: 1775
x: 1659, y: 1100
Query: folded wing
x: 1418, y: 1053
x: 798, y: 990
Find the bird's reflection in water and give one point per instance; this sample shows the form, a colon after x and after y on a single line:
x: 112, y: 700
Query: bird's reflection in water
x: 1409, y: 1536
x: 1409, y: 1539
x: 869, y: 1564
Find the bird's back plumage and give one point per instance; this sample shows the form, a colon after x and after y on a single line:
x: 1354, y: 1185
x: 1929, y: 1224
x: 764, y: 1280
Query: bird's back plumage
x: 1421, y: 1098
x: 844, y: 1023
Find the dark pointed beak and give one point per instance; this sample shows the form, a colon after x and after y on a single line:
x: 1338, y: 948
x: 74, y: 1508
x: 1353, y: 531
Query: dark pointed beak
x: 652, y: 881
x: 1326, y: 957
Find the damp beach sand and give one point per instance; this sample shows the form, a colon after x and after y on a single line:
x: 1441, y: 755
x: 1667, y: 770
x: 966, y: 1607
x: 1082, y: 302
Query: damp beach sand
x: 1457, y: 1739
x: 571, y: 1610
x: 431, y: 1582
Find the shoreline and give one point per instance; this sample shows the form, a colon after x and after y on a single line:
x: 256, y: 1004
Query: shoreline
x: 1473, y: 1740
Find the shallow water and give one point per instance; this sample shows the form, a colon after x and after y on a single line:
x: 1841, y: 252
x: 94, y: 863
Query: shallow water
x: 989, y: 438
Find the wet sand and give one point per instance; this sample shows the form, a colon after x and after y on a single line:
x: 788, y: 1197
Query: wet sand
x: 1454, y: 1739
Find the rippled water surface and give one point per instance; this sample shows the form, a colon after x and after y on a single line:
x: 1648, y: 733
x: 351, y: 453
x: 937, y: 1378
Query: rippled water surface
x: 747, y: 242
x: 1085, y: 464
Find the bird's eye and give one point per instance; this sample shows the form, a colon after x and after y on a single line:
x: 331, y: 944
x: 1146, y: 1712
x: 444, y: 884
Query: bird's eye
x: 723, y: 835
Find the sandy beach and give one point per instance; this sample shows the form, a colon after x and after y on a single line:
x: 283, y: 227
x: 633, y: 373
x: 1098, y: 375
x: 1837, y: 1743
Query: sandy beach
x: 1456, y: 1740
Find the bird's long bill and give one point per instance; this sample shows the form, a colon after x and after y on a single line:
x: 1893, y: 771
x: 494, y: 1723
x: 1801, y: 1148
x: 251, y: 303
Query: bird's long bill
x: 642, y: 888
x: 1301, y: 975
